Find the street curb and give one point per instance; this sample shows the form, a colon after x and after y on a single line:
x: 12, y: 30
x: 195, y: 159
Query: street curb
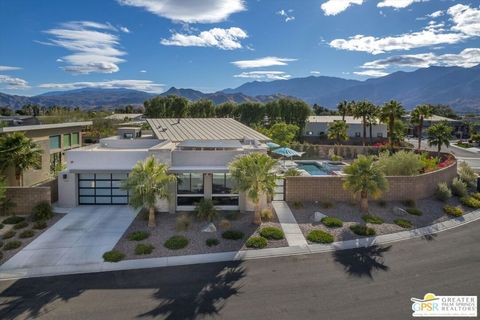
x: 14, y: 274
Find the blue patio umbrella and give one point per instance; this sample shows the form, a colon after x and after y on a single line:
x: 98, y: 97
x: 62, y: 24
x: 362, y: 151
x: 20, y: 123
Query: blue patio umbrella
x: 287, y: 152
x: 272, y: 145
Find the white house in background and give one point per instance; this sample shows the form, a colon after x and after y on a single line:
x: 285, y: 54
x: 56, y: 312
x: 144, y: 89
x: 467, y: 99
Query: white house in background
x: 126, y: 117
x: 198, y: 151
x: 317, y: 127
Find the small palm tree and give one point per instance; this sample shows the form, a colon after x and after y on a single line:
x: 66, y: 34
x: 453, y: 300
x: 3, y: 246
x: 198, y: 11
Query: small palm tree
x: 361, y: 110
x: 344, y: 108
x: 19, y: 152
x: 253, y: 174
x: 439, y: 135
x: 148, y: 181
x: 337, y: 130
x: 418, y: 115
x: 390, y: 112
x: 364, y: 178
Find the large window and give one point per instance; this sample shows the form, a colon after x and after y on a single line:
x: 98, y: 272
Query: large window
x: 75, y: 139
x: 189, y: 189
x: 101, y: 188
x: 55, y: 142
x: 223, y: 193
x: 67, y: 140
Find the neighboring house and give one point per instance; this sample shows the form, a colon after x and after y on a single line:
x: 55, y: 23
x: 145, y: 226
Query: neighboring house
x: 459, y: 129
x: 10, y: 121
x: 54, y: 140
x: 198, y: 151
x: 127, y: 117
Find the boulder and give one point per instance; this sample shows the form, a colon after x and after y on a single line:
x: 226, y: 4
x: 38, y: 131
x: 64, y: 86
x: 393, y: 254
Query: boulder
x: 317, y: 216
x: 400, y: 211
x: 210, y: 228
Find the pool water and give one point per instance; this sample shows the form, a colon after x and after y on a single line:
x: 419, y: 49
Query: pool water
x: 314, y: 169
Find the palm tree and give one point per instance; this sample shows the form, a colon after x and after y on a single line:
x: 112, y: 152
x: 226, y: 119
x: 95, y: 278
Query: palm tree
x: 148, y: 182
x: 3, y: 191
x: 253, y: 174
x: 364, y: 178
x: 361, y: 110
x: 19, y: 152
x: 418, y: 115
x: 372, y: 117
x: 344, y: 108
x: 438, y: 135
x: 337, y: 130
x: 390, y: 111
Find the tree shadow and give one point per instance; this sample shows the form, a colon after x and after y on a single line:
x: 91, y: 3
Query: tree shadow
x: 429, y: 237
x: 183, y: 292
x: 362, y: 261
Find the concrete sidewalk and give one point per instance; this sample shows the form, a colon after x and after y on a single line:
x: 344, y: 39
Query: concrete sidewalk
x: 290, y: 227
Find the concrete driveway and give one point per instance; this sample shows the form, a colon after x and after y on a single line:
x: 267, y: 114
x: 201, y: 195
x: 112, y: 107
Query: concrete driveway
x: 81, y: 237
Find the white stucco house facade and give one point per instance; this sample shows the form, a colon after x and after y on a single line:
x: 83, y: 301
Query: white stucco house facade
x: 317, y: 126
x: 198, y: 151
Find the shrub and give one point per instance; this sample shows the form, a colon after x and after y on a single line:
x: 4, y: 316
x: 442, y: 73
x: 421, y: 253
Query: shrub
x: 326, y: 205
x: 176, y: 243
x: 11, y: 245
x: 443, y: 192
x: 459, y: 188
x: 9, y: 234
x: 205, y: 210
x: 113, y: 256
x: 1, y: 225
x: 476, y: 195
x: 470, y: 202
x: 42, y: 211
x: 232, y: 235
x: 26, y: 234
x: 406, y: 224
x: 1, y: 243
x: 414, y: 211
x: 361, y: 230
x: 382, y: 203
x: 39, y: 225
x: 429, y: 163
x: 292, y: 172
x: 183, y: 222
x: 319, y: 236
x: 368, y: 218
x: 142, y: 249
x: 21, y: 225
x: 332, y: 222
x: 138, y: 235
x: 297, y: 205
x: 272, y: 233
x: 410, y: 203
x: 13, y: 220
x: 224, y: 224
x: 266, y: 214
x: 453, y: 211
x: 401, y: 163
x: 256, y: 242
x: 467, y: 174
x: 212, y: 242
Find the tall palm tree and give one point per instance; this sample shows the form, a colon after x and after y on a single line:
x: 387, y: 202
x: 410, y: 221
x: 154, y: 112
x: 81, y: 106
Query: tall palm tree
x: 439, y: 135
x: 148, y: 182
x: 337, y: 131
x: 389, y: 113
x: 418, y: 115
x: 253, y: 174
x: 364, y: 178
x: 373, y: 113
x: 19, y: 152
x: 344, y: 108
x: 360, y: 110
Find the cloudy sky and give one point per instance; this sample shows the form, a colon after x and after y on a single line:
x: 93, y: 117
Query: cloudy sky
x: 210, y: 45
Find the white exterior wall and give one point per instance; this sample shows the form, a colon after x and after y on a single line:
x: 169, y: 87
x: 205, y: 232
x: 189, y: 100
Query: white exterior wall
x: 353, y: 128
x: 187, y: 158
x: 67, y: 190
x: 104, y: 160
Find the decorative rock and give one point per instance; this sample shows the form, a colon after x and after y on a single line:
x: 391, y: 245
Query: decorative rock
x: 317, y: 216
x: 400, y: 211
x: 210, y: 228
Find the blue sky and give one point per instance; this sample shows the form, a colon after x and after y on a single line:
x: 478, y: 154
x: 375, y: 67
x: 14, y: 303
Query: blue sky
x: 210, y: 45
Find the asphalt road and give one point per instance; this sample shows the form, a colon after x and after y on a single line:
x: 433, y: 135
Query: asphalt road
x: 373, y: 283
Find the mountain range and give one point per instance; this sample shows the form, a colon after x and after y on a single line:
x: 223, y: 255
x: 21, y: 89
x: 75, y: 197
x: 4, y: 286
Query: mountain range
x: 454, y: 86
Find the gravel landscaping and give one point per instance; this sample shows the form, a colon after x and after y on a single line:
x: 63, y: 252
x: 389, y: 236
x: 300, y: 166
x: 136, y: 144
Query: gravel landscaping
x: 197, y: 240
x: 350, y: 214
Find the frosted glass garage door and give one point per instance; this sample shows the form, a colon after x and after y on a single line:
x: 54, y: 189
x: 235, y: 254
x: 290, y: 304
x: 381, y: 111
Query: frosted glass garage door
x: 102, y: 188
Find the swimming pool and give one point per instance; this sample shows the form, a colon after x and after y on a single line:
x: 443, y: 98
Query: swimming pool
x: 314, y: 168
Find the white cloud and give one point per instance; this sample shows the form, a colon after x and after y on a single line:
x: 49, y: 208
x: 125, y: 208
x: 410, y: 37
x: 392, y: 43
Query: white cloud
x: 125, y: 29
x: 93, y: 49
x: 466, y: 19
x: 226, y: 39
x: 144, y: 85
x: 189, y: 11
x: 264, y: 75
x: 286, y: 14
x: 143, y: 71
x: 334, y: 7
x: 12, y: 83
x: 436, y: 14
x: 372, y: 73
x: 262, y: 62
x: 314, y: 72
x: 9, y: 68
x: 397, y: 4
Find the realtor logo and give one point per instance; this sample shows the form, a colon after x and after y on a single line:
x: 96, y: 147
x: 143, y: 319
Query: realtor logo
x: 444, y: 306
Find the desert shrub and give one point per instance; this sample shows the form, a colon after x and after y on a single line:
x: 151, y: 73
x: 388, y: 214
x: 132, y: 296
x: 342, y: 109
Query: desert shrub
x: 297, y: 204
x: 459, y: 188
x: 182, y: 222
x: 382, y: 203
x: 453, y: 211
x: 414, y: 211
x: 332, y: 222
x: 319, y: 236
x: 443, y: 192
x: 362, y: 230
x: 476, y: 195
x: 429, y: 163
x: 266, y: 214
x: 467, y: 174
x: 326, y: 205
x: 401, y: 163
x: 142, y: 249
x: 470, y: 201
x: 410, y: 203
x: 1, y: 225
x: 256, y: 242
x: 13, y: 220
x: 113, y: 256
x: 404, y: 223
x: 232, y: 235
x: 138, y: 235
x: 212, y: 242
x: 21, y: 225
x: 205, y: 210
x: 292, y: 172
x: 176, y: 243
x: 26, y: 234
x: 368, y: 218
x: 224, y: 224
x: 9, y: 234
x: 11, y: 245
x: 42, y: 211
x: 272, y: 233
x: 39, y: 225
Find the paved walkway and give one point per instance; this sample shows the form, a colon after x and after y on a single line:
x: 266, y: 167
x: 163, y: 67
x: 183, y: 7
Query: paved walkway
x: 81, y: 237
x: 293, y: 234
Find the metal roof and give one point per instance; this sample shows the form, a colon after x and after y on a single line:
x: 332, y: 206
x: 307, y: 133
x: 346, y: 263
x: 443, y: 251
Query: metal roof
x: 203, y: 129
x: 227, y: 144
x: 46, y: 126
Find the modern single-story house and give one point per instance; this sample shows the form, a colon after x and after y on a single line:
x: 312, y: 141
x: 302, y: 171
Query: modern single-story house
x: 126, y: 117
x: 459, y: 129
x: 197, y: 150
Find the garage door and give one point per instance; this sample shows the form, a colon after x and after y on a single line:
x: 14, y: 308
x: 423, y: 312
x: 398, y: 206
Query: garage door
x: 101, y: 188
